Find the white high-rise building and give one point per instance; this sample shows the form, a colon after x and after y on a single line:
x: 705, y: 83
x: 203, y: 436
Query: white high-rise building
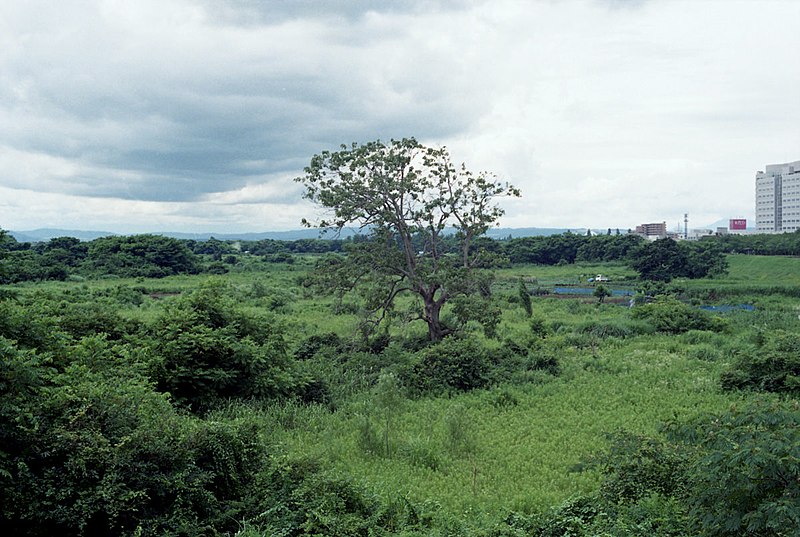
x: 778, y: 198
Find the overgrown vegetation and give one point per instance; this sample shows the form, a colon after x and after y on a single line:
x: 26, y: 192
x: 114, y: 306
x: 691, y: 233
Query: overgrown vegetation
x: 247, y: 404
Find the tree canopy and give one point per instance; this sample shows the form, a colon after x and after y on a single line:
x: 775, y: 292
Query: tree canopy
x: 406, y: 196
x: 665, y: 259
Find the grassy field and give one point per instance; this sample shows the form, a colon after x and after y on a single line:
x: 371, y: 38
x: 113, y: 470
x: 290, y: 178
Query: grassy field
x: 521, y: 443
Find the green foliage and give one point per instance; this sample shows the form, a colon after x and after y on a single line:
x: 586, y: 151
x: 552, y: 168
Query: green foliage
x: 665, y: 259
x: 407, y: 195
x: 601, y: 292
x: 87, y: 441
x: 774, y: 366
x: 299, y: 498
x: 636, y: 466
x: 93, y: 450
x: 150, y: 256
x: 574, y: 518
x: 674, y: 317
x: 317, y: 342
x: 515, y: 360
x: 525, y: 297
x: 745, y: 478
x: 217, y: 267
x: 484, y: 311
x: 79, y: 319
x: 28, y: 265
x: 450, y: 365
x: 206, y: 349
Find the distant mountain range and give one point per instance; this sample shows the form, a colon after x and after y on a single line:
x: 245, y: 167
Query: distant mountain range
x: 45, y: 234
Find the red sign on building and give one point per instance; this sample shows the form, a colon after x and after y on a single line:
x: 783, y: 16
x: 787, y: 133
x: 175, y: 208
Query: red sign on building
x: 737, y: 223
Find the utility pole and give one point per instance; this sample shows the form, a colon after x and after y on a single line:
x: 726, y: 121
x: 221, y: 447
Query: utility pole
x: 685, y: 225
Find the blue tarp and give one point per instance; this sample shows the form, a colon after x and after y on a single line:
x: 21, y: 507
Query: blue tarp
x: 589, y: 291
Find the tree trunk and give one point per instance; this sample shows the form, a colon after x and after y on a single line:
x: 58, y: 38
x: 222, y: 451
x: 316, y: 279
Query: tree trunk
x: 436, y: 331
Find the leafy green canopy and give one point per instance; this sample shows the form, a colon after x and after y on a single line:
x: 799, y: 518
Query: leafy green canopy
x: 206, y: 349
x: 402, y: 192
x: 665, y: 259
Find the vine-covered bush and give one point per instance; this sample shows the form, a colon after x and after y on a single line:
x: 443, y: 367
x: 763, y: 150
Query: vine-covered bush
x: 92, y: 449
x: 450, y: 365
x: 675, y: 317
x: 774, y: 366
x: 205, y: 349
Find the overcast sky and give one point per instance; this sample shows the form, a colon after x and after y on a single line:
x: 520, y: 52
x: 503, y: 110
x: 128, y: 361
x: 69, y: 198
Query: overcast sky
x: 195, y: 115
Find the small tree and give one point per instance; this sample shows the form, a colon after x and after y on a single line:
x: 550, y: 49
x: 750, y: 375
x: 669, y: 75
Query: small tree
x: 405, y: 195
x: 600, y: 293
x: 525, y: 297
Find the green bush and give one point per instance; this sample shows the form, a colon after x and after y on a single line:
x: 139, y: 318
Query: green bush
x: 450, y: 365
x: 674, y: 317
x: 79, y: 319
x: 297, y: 498
x: 205, y: 349
x: 774, y: 366
x: 635, y: 466
x: 744, y: 476
x: 31, y: 326
x: 311, y: 345
x: 514, y: 360
x: 484, y: 311
x: 97, y: 451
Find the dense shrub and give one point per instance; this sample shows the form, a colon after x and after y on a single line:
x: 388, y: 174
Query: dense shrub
x: 452, y: 364
x: 79, y: 319
x: 297, y: 498
x: 150, y: 256
x: 93, y: 450
x: 674, y: 317
x: 744, y: 476
x: 29, y: 325
x: 206, y: 349
x: 481, y: 310
x: 774, y: 366
x: 636, y: 466
x: 665, y: 259
x: 315, y: 343
x: 515, y: 359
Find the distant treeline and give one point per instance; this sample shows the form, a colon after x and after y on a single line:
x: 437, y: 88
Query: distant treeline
x: 155, y: 256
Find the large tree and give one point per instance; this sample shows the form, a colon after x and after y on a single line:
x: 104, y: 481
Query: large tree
x: 406, y: 196
x: 665, y: 259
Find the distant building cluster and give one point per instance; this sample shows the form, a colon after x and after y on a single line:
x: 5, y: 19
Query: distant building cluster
x: 659, y: 230
x: 777, y: 209
x: 778, y: 198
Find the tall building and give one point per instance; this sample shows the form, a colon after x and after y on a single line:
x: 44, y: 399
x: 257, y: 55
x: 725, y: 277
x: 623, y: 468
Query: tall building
x: 778, y: 198
x: 657, y: 230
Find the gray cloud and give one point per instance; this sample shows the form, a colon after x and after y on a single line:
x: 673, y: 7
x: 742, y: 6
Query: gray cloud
x: 218, y: 104
x: 179, y: 108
